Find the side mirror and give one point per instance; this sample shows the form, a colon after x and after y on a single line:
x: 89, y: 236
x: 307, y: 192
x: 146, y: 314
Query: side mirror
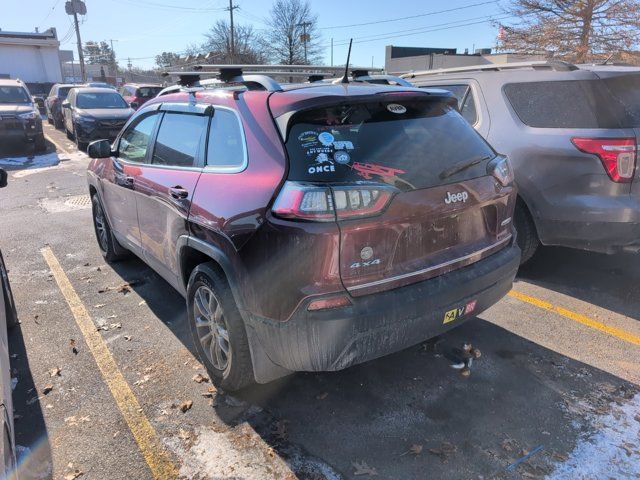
x: 66, y: 104
x: 3, y: 177
x: 99, y: 149
x: 134, y: 105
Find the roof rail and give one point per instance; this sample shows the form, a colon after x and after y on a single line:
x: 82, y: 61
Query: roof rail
x: 261, y: 76
x: 384, y: 79
x: 557, y: 65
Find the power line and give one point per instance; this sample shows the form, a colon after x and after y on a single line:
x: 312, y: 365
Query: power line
x: 168, y: 7
x: 412, y: 16
x: 41, y: 24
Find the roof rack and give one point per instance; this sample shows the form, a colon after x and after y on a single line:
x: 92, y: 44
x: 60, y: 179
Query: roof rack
x: 557, y: 65
x: 256, y: 76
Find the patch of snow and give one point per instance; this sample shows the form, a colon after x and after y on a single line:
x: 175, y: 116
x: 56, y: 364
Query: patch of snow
x: 29, y: 168
x: 38, y: 161
x: 613, y: 451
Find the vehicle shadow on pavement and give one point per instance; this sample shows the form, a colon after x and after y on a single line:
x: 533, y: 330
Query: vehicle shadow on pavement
x: 18, y: 156
x: 410, y: 415
x: 30, y: 428
x: 608, y: 281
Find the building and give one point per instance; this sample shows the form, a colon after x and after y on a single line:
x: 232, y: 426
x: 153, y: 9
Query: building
x: 33, y: 57
x: 399, y: 60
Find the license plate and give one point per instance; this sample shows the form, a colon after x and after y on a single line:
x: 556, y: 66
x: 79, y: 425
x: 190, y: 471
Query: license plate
x: 459, y: 312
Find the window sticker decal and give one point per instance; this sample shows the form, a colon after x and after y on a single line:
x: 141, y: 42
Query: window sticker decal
x: 342, y: 157
x: 326, y: 138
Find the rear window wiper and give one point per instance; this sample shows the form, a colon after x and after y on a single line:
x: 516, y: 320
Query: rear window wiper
x: 463, y: 166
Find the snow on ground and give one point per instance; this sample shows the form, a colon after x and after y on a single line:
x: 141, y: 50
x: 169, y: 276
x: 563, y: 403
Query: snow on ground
x: 613, y: 451
x: 38, y: 161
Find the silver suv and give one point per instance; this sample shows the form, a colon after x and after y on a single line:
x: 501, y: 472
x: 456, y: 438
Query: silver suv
x: 571, y: 133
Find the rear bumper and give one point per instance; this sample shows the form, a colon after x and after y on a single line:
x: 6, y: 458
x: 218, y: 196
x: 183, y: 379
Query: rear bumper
x: 605, y: 224
x: 382, y: 323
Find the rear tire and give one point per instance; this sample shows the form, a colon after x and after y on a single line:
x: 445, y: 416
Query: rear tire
x: 528, y: 240
x: 109, y: 246
x: 58, y: 123
x: 218, y: 329
x: 69, y: 134
x: 9, y: 304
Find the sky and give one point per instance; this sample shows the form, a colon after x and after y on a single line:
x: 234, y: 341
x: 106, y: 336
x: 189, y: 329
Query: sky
x: 141, y: 29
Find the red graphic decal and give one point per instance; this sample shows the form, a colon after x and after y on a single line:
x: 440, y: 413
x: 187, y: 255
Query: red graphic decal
x: 366, y: 170
x: 471, y: 306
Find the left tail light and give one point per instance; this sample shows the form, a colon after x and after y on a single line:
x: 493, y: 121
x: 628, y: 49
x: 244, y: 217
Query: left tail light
x: 618, y: 155
x: 501, y: 169
x: 324, y: 203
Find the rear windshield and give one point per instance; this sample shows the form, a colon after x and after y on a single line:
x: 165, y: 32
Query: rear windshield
x: 406, y: 143
x: 148, y: 92
x: 100, y: 100
x: 626, y: 90
x: 14, y: 95
x: 563, y: 104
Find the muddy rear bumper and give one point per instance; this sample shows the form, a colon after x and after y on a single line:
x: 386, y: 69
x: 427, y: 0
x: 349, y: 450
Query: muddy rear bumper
x: 379, y: 324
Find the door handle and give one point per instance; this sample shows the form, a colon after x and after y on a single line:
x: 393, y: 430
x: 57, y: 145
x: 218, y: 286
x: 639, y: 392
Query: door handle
x: 125, y: 181
x: 178, y: 192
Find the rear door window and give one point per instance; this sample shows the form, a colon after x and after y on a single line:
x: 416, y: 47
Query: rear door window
x: 563, y: 104
x: 147, y: 92
x: 409, y: 143
x: 466, y: 101
x: 226, y: 148
x: 178, y: 139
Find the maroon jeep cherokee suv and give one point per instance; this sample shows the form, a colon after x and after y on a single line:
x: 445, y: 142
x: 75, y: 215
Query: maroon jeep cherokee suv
x: 310, y: 227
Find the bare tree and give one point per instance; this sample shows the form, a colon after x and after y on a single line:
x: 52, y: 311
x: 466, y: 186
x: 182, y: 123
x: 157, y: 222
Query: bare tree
x: 248, y: 46
x: 293, y: 37
x: 576, y: 30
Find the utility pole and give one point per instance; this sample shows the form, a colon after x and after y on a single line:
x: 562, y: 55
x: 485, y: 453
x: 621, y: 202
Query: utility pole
x: 75, y: 7
x: 232, y: 47
x: 129, y: 67
x: 304, y: 37
x: 115, y: 64
x: 332, y: 51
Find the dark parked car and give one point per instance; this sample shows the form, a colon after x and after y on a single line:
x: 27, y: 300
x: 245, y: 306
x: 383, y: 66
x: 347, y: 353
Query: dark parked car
x: 94, y: 113
x: 572, y: 135
x: 310, y: 227
x: 136, y: 94
x: 53, y: 103
x: 19, y: 116
x: 8, y: 319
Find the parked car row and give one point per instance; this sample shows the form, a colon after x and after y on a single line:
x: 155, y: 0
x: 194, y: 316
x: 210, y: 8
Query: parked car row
x: 95, y: 110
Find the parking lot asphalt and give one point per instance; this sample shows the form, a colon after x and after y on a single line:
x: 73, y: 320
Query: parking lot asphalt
x: 108, y: 385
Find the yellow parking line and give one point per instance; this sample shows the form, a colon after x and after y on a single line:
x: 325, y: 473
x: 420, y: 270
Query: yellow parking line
x: 159, y: 462
x: 576, y: 317
x: 57, y: 145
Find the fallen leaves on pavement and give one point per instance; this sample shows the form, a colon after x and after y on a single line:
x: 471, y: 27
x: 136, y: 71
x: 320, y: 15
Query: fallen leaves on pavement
x: 186, y: 405
x: 445, y: 451
x: 55, y: 372
x: 199, y: 378
x: 322, y: 396
x: 415, y: 449
x: 47, y: 389
x: 74, y: 349
x: 361, y: 468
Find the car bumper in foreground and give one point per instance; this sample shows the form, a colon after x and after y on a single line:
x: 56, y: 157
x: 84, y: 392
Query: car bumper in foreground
x: 379, y: 324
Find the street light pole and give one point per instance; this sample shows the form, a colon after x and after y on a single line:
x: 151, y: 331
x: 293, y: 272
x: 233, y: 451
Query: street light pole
x: 304, y: 26
x: 115, y: 64
x: 232, y: 47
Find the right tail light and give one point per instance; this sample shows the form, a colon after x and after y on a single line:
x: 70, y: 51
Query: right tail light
x: 324, y: 203
x: 618, y: 155
x: 501, y: 169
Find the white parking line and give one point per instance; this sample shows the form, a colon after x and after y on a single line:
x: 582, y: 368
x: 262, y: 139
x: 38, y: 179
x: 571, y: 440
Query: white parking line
x: 57, y: 145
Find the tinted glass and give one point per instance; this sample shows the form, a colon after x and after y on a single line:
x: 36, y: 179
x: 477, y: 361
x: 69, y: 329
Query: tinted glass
x: 226, y: 143
x: 100, y: 100
x: 626, y: 90
x: 406, y: 143
x: 14, y: 95
x: 63, y: 92
x: 135, y: 140
x: 564, y: 104
x: 178, y: 139
x: 464, y: 95
x: 148, y: 92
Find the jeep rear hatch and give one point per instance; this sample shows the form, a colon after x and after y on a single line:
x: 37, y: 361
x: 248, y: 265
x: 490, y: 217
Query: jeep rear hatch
x: 408, y: 181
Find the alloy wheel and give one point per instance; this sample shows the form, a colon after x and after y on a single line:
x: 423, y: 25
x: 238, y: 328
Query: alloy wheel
x: 212, y: 327
x: 101, y: 227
